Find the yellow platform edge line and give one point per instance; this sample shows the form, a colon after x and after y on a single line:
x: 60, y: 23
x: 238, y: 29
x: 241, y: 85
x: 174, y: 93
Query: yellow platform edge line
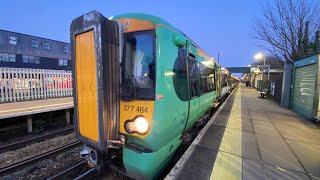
x: 228, y: 166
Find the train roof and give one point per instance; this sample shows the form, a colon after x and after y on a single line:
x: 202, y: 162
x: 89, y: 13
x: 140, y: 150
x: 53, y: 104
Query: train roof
x: 146, y: 17
x: 157, y: 21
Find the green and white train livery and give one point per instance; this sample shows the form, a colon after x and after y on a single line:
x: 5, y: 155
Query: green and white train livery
x: 140, y: 84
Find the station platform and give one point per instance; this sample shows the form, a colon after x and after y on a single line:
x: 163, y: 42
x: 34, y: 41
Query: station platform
x: 15, y: 109
x: 252, y: 138
x: 29, y: 108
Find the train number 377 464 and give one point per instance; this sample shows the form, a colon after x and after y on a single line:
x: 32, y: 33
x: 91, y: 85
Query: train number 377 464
x: 139, y: 109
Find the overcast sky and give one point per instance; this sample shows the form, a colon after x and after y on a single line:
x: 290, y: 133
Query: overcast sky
x: 215, y: 25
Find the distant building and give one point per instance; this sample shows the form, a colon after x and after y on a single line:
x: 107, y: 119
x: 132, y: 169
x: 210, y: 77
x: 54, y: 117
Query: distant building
x: 25, y: 51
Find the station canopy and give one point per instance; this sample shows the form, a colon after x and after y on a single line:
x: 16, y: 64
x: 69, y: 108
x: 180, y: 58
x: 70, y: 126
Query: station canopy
x: 238, y: 69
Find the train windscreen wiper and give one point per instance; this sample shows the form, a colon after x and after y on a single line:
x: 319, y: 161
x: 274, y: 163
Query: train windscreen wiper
x: 130, y: 83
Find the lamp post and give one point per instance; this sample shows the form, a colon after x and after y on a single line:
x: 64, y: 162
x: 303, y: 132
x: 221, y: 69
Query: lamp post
x: 260, y: 56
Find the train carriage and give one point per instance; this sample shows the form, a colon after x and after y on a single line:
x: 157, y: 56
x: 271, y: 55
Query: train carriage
x: 140, y: 84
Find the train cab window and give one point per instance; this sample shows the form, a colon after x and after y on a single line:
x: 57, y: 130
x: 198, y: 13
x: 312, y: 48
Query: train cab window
x: 138, y: 65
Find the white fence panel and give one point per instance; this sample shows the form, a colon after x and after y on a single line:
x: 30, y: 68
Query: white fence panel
x: 19, y: 84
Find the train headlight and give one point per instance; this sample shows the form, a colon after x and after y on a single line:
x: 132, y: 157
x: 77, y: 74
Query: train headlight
x: 138, y: 125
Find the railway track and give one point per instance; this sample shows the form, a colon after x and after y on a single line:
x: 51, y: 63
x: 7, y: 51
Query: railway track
x: 23, y: 163
x: 75, y: 170
x: 86, y: 175
x: 19, y: 144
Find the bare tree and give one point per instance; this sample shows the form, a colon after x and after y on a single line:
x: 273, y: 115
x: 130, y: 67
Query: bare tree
x: 287, y: 27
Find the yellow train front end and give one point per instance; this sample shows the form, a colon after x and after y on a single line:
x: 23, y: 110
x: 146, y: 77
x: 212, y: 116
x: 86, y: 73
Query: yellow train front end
x: 107, y: 105
x: 96, y: 55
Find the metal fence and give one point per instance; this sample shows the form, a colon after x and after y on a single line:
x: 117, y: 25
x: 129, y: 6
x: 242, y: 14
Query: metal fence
x: 18, y: 84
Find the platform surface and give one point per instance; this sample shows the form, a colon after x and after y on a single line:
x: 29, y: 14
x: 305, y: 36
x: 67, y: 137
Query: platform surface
x: 252, y: 138
x: 15, y: 109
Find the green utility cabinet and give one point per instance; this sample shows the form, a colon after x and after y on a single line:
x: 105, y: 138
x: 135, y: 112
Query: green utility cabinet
x: 305, y: 92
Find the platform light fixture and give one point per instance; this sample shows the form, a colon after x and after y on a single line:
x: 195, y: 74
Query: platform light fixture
x: 260, y: 56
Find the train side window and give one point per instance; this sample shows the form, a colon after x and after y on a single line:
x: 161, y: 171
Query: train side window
x: 210, y: 79
x: 224, y: 80
x: 203, y: 79
x: 214, y: 80
x: 179, y: 78
x: 0, y: 57
x: 193, y: 76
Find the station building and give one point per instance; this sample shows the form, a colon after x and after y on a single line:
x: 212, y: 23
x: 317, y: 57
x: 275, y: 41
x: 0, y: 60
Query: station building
x: 306, y: 87
x: 19, y: 50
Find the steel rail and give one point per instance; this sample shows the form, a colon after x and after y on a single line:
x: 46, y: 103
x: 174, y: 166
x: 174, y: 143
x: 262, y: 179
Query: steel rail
x: 69, y: 171
x: 23, y: 163
x: 86, y: 175
x: 19, y: 144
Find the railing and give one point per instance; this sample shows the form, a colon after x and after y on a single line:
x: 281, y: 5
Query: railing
x: 18, y: 84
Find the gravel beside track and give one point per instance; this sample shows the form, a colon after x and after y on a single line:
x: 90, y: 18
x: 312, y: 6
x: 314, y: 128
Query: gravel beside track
x: 34, y: 149
x: 37, y: 138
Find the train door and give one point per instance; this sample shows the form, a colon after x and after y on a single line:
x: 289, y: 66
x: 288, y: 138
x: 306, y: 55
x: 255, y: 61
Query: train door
x: 217, y: 81
x: 194, y: 90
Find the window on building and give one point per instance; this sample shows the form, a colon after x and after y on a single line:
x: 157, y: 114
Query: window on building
x: 13, y: 40
x: 63, y: 62
x: 5, y: 57
x: 37, y: 60
x: 272, y: 87
x: 46, y: 45
x: 66, y: 48
x: 12, y: 58
x: 31, y: 59
x: 34, y: 43
x: 60, y: 62
x: 25, y: 59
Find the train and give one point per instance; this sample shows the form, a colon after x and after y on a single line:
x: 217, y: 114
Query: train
x: 139, y: 85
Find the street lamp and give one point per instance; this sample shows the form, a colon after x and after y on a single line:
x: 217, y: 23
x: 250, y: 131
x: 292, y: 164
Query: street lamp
x: 260, y: 56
